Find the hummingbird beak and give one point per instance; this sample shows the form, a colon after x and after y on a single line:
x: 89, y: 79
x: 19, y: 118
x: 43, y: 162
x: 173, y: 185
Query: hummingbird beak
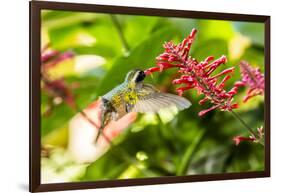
x: 141, y: 76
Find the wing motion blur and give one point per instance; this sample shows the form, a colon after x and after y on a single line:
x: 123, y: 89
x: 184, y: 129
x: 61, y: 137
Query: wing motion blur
x: 152, y: 100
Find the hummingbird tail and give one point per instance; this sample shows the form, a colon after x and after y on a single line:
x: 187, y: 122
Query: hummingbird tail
x: 106, y: 116
x: 100, y: 130
x: 98, y: 135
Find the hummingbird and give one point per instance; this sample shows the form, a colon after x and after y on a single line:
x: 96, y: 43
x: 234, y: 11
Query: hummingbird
x: 133, y: 95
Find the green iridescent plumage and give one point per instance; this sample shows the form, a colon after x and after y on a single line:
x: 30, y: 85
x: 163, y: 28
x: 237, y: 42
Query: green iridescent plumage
x: 135, y: 96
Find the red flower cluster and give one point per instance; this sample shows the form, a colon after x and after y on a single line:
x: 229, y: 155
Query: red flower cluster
x: 198, y: 75
x: 253, y: 78
x: 57, y: 88
x: 51, y: 58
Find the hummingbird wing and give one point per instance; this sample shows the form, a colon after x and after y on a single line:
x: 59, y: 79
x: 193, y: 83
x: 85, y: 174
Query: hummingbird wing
x: 151, y: 99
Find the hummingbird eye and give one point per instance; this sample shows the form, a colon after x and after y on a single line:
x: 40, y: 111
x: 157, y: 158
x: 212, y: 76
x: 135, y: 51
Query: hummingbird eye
x: 141, y: 76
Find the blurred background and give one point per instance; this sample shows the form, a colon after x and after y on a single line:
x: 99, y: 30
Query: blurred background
x: 88, y: 54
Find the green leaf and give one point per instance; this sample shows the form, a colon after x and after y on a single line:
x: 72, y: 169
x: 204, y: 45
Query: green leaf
x: 255, y: 31
x: 106, y: 167
x: 212, y: 47
x: 143, y: 56
x: 60, y: 19
x: 183, y: 25
x: 70, y: 36
x: 211, y: 160
x: 59, y: 116
x: 214, y: 29
x: 189, y: 153
x: 136, y: 28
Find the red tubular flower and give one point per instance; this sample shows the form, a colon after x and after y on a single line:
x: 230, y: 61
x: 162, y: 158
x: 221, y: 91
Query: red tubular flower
x: 50, y: 58
x: 198, y: 75
x: 238, y: 139
x: 56, y: 88
x: 258, y: 138
x: 252, y: 78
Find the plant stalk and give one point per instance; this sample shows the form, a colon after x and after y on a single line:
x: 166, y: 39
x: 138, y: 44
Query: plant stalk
x: 118, y: 27
x: 238, y: 117
x: 188, y: 154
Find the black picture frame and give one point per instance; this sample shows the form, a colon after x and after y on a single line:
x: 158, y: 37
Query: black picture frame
x: 34, y: 99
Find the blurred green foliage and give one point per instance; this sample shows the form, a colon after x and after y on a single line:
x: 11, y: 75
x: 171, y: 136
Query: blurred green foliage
x: 184, y: 145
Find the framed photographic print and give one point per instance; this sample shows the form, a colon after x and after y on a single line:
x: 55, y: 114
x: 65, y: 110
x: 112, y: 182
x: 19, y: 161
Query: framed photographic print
x: 123, y: 96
